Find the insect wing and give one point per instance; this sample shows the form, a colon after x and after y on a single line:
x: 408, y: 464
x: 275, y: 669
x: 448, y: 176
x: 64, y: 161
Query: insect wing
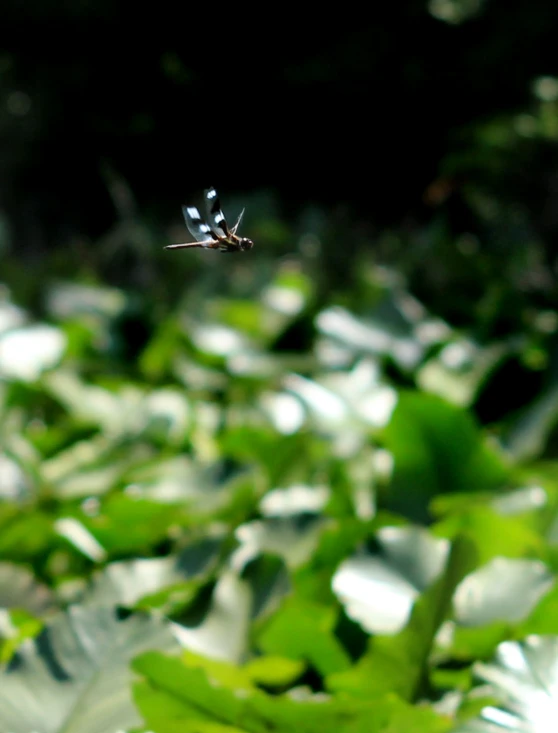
x: 215, y: 215
x: 235, y: 227
x: 196, y: 225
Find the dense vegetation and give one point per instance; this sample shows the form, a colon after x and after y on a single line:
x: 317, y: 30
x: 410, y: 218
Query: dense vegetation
x: 312, y: 487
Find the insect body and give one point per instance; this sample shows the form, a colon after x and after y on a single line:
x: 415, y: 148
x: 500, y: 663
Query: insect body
x: 213, y: 233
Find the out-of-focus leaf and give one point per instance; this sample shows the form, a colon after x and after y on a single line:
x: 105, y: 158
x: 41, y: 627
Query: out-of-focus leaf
x: 266, y: 318
x: 274, y: 671
x: 337, y: 541
x: 303, y: 631
x: 206, y: 488
x: 504, y: 590
x: 24, y: 535
x: 524, y: 678
x: 11, y: 316
x: 91, y: 467
x: 83, y: 541
x: 25, y: 353
x: 130, y: 411
x: 294, y: 500
x: 269, y: 581
x: 291, y: 538
x: 20, y: 589
x: 15, y: 627
x: 174, y: 691
x: 543, y: 619
x: 13, y: 482
x: 129, y: 524
x: 437, y: 449
x: 223, y: 632
x: 126, y: 583
x: 455, y: 12
x: 464, y: 643
x: 17, y: 447
x: 527, y: 435
x: 67, y: 300
x: 285, y: 411
x: 217, y: 340
x: 346, y: 404
x: 387, y: 331
x: 520, y: 501
x: 457, y: 372
x: 282, y: 458
x: 493, y: 534
x: 379, y: 591
x: 400, y: 663
x: 161, y: 352
x: 75, y: 676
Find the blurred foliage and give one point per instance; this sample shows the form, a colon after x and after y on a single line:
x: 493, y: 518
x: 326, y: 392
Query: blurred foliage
x: 295, y: 488
x: 311, y: 487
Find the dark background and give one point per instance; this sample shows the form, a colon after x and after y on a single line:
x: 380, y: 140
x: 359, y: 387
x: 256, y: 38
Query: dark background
x: 358, y: 107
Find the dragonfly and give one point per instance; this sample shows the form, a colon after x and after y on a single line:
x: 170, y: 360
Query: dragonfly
x: 214, y: 232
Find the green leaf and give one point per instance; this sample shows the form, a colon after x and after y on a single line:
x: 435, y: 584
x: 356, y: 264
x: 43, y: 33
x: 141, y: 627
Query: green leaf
x: 176, y: 690
x: 129, y: 524
x: 544, y: 618
x: 437, y: 449
x: 303, y: 630
x: 24, y: 536
x: 493, y: 535
x: 15, y: 627
x: 400, y: 663
x: 274, y: 671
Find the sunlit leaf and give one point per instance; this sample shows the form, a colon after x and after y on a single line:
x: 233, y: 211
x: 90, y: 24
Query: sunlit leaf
x: 13, y: 482
x: 379, y: 591
x: 67, y: 300
x: 503, y: 590
x: 386, y: 332
x: 25, y: 353
x: 400, y: 663
x: 75, y: 677
x: 524, y: 678
x: 125, y: 583
x: 223, y: 632
x: 291, y: 538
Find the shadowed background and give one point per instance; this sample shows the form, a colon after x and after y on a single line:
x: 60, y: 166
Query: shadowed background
x: 340, y: 108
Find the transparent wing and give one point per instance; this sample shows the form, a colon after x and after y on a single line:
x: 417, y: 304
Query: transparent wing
x: 235, y: 227
x: 196, y: 225
x: 214, y: 214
